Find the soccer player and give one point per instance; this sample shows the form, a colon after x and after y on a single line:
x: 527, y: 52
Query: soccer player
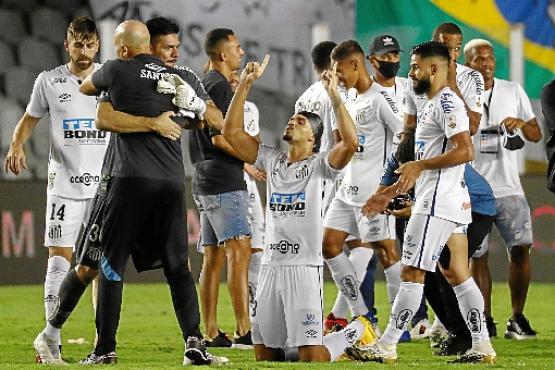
x: 376, y: 124
x: 442, y: 146
x: 220, y: 193
x: 76, y: 151
x: 165, y: 44
x: 507, y: 115
x: 289, y: 295
x: 548, y: 109
x: 147, y: 184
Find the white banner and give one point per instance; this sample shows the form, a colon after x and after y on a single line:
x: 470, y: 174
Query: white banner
x: 281, y: 28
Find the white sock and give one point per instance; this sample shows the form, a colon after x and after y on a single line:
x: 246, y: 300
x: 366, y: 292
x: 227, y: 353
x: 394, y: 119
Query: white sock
x: 359, y: 258
x: 52, y: 332
x: 344, y: 276
x: 471, y: 305
x: 393, y: 280
x: 404, y: 307
x: 254, y: 269
x: 338, y: 341
x: 56, y: 270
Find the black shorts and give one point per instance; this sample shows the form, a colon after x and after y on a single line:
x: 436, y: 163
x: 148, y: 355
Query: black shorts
x: 143, y: 218
x: 88, y: 249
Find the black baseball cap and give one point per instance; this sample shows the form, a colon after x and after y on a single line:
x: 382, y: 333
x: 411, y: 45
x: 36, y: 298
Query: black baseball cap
x: 383, y: 44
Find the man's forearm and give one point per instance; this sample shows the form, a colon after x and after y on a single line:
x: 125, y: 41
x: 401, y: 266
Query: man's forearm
x: 109, y: 119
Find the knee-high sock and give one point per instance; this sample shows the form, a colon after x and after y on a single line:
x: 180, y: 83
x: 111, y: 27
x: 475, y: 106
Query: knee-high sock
x: 338, y: 341
x: 471, y: 304
x: 359, y: 258
x: 344, y: 275
x: 254, y: 269
x: 405, y: 305
x: 393, y: 280
x: 56, y: 270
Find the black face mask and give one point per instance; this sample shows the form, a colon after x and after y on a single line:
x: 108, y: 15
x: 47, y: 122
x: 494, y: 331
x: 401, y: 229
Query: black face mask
x: 388, y: 69
x: 422, y: 87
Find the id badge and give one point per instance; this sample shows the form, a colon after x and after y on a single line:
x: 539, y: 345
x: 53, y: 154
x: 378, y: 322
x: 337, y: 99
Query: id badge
x: 489, y: 141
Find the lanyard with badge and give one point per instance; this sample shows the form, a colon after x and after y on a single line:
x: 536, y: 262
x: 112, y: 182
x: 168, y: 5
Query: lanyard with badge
x: 489, y: 136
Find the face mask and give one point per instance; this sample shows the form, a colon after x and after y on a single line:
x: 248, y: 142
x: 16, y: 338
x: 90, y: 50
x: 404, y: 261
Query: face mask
x: 511, y: 141
x: 388, y: 69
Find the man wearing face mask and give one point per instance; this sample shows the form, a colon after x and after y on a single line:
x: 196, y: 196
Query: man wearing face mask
x: 507, y: 111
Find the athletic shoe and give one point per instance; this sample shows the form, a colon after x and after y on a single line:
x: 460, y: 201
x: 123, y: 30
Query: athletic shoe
x: 369, y: 336
x: 196, y: 354
x: 491, y: 325
x: 405, y: 337
x: 519, y: 328
x: 453, y: 345
x: 421, y: 330
x: 334, y: 324
x: 473, y: 356
x: 438, y: 334
x: 93, y: 359
x: 376, y: 329
x: 242, y: 342
x: 375, y: 352
x: 221, y: 340
x: 44, y: 348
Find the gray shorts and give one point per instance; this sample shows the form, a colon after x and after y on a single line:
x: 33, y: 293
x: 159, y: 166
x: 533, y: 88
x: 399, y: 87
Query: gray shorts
x: 513, y: 222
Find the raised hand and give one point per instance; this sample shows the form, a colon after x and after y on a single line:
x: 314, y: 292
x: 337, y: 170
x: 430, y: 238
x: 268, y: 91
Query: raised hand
x: 330, y: 80
x: 254, y: 70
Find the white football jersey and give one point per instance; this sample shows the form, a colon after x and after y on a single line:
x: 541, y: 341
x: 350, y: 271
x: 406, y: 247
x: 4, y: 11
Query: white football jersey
x: 395, y: 95
x: 441, y: 193
x: 294, y: 209
x: 251, y: 118
x: 469, y: 82
x: 77, y: 147
x: 497, y: 164
x: 377, y: 124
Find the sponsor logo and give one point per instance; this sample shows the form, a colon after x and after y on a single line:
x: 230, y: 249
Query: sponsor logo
x: 82, y: 131
x: 310, y: 320
x: 474, y: 320
x: 59, y: 80
x: 311, y: 333
x: 419, y: 147
x: 349, y: 287
x: 285, y: 247
x: 479, y: 84
x: 309, y: 106
x: 64, y: 97
x: 387, y: 41
x: 351, y: 190
x: 350, y: 335
x: 361, y: 115
x: 452, y: 122
x: 390, y: 101
x: 85, y: 179
x: 55, y: 231
x: 426, y: 204
x: 288, y: 204
x: 152, y: 71
x: 446, y: 102
x: 402, y: 320
x: 302, y: 172
x: 374, y: 231
x: 51, y: 178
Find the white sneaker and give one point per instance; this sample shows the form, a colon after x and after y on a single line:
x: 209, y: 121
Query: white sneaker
x: 421, y: 330
x: 377, y: 330
x: 480, y: 354
x: 43, y: 347
x: 438, y: 334
x: 376, y: 352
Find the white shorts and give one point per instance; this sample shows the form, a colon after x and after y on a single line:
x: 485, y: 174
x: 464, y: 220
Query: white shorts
x: 344, y: 217
x: 64, y: 217
x: 255, y: 214
x: 289, y: 306
x: 425, y: 238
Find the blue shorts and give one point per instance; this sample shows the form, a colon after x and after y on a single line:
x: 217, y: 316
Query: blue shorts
x: 222, y: 217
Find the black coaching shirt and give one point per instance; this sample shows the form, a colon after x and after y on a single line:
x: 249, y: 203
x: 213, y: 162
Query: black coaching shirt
x: 216, y: 172
x: 132, y: 87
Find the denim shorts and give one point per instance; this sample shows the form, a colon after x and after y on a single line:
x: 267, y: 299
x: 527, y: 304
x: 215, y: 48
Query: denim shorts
x: 222, y: 217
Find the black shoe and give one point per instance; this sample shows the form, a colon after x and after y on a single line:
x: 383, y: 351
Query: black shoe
x: 242, y: 342
x: 454, y: 345
x: 221, y: 340
x: 519, y: 328
x: 492, y: 326
x: 196, y: 354
x: 94, y: 359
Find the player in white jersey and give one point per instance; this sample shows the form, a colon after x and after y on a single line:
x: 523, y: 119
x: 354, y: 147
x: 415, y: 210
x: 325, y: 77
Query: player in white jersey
x: 507, y: 112
x: 76, y: 151
x: 289, y: 295
x: 442, y: 146
x: 376, y: 125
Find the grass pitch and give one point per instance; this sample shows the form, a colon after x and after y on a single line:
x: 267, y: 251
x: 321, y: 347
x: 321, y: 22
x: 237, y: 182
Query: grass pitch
x: 149, y: 337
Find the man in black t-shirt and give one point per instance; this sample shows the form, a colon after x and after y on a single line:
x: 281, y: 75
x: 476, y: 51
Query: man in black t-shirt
x: 144, y: 214
x: 220, y: 193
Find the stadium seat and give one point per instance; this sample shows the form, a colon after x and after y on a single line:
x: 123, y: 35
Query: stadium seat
x: 7, y: 58
x: 18, y: 84
x: 50, y: 19
x: 37, y: 55
x: 13, y: 28
x: 21, y: 5
x: 10, y: 113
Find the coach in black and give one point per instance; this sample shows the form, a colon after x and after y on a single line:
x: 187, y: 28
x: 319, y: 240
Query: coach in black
x: 144, y: 215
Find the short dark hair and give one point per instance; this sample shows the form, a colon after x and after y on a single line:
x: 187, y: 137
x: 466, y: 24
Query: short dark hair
x: 321, y: 55
x: 160, y: 26
x: 214, y: 38
x: 317, y: 128
x: 432, y: 49
x: 449, y: 28
x: 82, y: 27
x: 346, y: 49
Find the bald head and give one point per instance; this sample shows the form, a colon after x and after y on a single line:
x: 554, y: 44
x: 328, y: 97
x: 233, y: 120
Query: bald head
x: 131, y: 38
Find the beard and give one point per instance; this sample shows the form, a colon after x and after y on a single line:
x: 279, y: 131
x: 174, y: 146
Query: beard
x: 422, y: 87
x: 83, y: 64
